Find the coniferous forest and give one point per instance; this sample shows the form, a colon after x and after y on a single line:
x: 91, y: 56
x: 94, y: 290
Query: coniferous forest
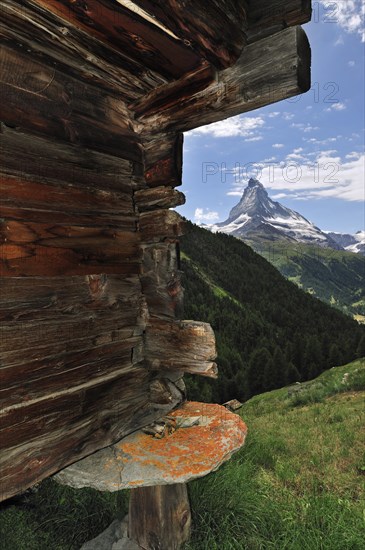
x: 269, y: 332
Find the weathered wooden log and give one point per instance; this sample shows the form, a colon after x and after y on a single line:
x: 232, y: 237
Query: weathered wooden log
x: 160, y: 517
x: 275, y: 68
x: 163, y: 159
x: 45, y: 161
x: 44, y: 101
x: 264, y: 19
x: 74, y: 51
x: 158, y: 225
x: 35, y: 249
x: 169, y: 95
x: 215, y: 29
x: 161, y: 280
x: 188, y: 346
x: 129, y: 31
x: 158, y: 197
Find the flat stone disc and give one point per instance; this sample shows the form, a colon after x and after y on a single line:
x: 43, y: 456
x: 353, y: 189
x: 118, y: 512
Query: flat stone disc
x: 206, y: 436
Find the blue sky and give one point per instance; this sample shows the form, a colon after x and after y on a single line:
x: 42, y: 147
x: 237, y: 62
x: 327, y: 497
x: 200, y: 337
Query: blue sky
x: 307, y: 151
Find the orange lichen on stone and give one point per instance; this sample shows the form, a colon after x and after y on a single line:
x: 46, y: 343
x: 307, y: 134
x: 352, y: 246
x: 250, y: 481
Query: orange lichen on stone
x: 189, y: 452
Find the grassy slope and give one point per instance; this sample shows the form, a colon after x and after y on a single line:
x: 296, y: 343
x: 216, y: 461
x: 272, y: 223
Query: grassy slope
x: 334, y: 276
x: 297, y: 483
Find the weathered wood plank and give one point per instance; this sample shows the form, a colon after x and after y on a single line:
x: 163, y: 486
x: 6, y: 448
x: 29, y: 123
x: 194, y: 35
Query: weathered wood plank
x: 160, y: 225
x: 187, y: 345
x: 161, y: 280
x: 45, y: 436
x: 160, y: 517
x: 164, y: 159
x: 215, y: 29
x: 54, y: 41
x: 35, y: 249
x: 41, y: 99
x: 128, y: 31
x: 158, y: 197
x: 264, y: 19
x: 267, y: 71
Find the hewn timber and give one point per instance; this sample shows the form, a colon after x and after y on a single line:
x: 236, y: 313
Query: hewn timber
x: 41, y: 160
x: 275, y: 68
x: 158, y: 197
x: 161, y: 280
x: 44, y: 101
x: 56, y: 42
x: 126, y: 30
x: 159, y: 517
x: 34, y: 249
x: 264, y: 19
x: 163, y: 159
x: 188, y: 346
x: 160, y: 225
x: 215, y: 29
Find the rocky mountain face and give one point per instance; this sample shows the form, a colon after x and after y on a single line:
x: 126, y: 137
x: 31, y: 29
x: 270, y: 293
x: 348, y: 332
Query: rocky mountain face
x: 257, y: 218
x: 351, y: 243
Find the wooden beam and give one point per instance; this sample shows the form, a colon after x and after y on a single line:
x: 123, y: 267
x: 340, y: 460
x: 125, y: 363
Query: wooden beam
x: 58, y: 43
x: 159, y: 225
x: 160, y: 517
x: 128, y: 32
x: 163, y: 159
x: 266, y: 18
x: 188, y: 346
x: 44, y: 101
x: 275, y: 68
x: 158, y: 197
x: 214, y: 29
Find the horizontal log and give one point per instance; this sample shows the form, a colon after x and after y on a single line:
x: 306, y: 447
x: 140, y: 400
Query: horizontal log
x: 275, y: 68
x: 74, y: 51
x: 30, y: 249
x: 170, y: 95
x: 158, y: 197
x: 43, y: 437
x: 161, y: 280
x: 128, y: 31
x: 163, y: 159
x: 264, y: 19
x: 215, y: 29
x: 160, y: 225
x: 188, y: 346
x: 65, y: 204
x: 45, y: 101
x: 42, y: 160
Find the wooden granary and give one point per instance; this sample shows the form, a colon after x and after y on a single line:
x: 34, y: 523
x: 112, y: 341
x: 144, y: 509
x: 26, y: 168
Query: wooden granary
x: 95, y: 97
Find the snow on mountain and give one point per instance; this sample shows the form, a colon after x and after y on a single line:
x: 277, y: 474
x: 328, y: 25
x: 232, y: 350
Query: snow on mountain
x: 351, y: 243
x: 257, y: 216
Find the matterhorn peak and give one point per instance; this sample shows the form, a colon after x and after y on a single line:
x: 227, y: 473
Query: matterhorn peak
x: 253, y: 182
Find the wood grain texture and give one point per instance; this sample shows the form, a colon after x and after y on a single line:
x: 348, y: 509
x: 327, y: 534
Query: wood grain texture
x: 159, y: 225
x: 163, y: 159
x: 125, y: 30
x: 187, y: 345
x: 266, y: 18
x: 45, y: 101
x: 160, y: 517
x: 215, y: 29
x: 283, y: 70
x: 158, y: 197
x: 58, y: 43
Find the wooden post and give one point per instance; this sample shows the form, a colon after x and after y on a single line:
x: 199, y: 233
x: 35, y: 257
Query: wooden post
x: 159, y: 517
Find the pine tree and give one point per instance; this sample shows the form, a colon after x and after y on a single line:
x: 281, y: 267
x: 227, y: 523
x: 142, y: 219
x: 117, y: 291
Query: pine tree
x: 256, y: 367
x: 360, y: 350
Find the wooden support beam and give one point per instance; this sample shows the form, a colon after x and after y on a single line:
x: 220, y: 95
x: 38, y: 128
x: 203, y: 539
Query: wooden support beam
x: 266, y: 18
x: 188, y: 346
x: 163, y: 159
x: 159, y: 225
x: 270, y: 70
x: 129, y: 32
x: 214, y: 29
x: 158, y: 197
x: 44, y: 101
x: 56, y: 42
x: 160, y: 517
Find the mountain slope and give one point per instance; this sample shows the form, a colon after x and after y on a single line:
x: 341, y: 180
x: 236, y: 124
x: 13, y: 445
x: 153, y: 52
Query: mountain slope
x: 269, y: 332
x: 351, y: 243
x: 257, y: 217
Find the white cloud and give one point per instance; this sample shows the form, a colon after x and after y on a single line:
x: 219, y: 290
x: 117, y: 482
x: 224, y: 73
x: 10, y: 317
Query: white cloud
x: 336, y: 107
x: 304, y: 127
x: 204, y: 215
x: 254, y: 138
x: 278, y: 145
x: 348, y: 14
x: 351, y: 63
x: 287, y: 116
x: 273, y: 114
x: 340, y: 41
x: 238, y: 126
